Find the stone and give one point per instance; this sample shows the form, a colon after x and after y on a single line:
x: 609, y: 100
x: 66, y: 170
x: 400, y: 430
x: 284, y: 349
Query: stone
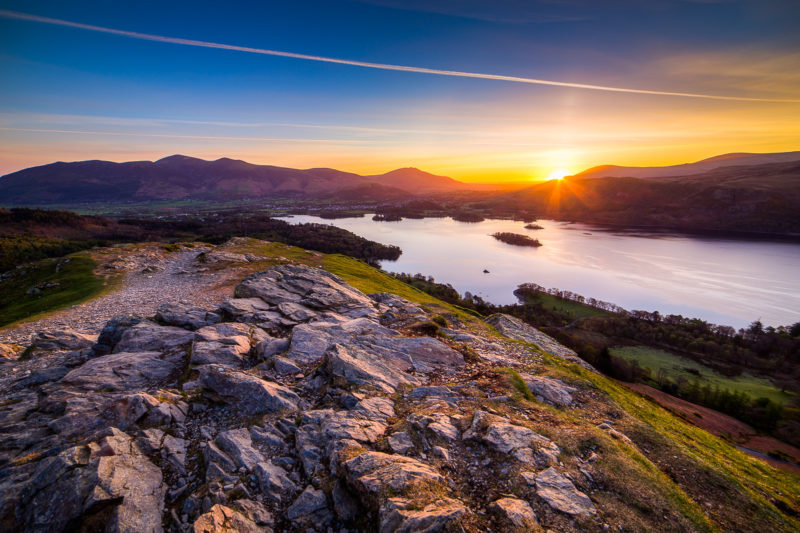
x: 285, y: 366
x: 225, y: 343
x: 126, y: 371
x: 10, y: 351
x: 239, y: 447
x: 267, y: 348
x: 398, y: 515
x: 256, y: 512
x: 185, y: 315
x: 515, y: 328
x: 243, y: 308
x: 560, y: 494
x: 401, y: 443
x: 222, y: 519
x: 551, y: 390
x: 344, y: 504
x: 516, y: 513
x: 63, y: 339
x: 361, y: 368
x: 147, y: 336
x: 175, y: 452
x: 311, y: 287
x: 309, y: 502
x: 248, y: 393
x: 375, y: 472
x: 273, y: 481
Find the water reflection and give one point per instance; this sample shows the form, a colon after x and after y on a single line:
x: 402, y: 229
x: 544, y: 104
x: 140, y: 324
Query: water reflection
x: 723, y: 281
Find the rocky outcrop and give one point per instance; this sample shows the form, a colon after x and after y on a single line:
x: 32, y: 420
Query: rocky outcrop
x: 299, y: 405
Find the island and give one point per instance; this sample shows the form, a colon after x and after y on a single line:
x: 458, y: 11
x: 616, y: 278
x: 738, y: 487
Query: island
x: 516, y: 239
x: 533, y: 225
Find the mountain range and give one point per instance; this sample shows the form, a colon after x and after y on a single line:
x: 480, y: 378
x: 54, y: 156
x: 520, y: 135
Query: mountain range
x: 179, y: 177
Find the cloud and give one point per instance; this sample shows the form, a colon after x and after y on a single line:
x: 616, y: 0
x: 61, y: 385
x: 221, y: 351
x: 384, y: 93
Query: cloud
x: 380, y: 66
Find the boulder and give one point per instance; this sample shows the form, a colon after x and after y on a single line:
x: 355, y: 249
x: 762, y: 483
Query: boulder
x: 523, y: 443
x: 515, y: 328
x: 63, y: 339
x: 361, y: 368
x: 399, y: 515
x: 247, y: 393
x: 127, y: 371
x: 147, y: 336
x: 225, y: 344
x: 185, y: 315
x: 551, y: 390
x: 236, y: 443
x: 375, y: 472
x: 273, y: 481
x: 401, y: 443
x: 222, y: 519
x: 517, y: 514
x: 311, y: 287
x: 560, y: 494
x: 308, y: 503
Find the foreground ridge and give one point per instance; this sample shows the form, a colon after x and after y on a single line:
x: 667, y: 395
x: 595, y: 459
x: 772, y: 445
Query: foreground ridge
x: 304, y: 404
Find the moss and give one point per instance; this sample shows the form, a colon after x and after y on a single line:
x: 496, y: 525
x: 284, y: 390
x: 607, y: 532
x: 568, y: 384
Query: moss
x: 440, y: 321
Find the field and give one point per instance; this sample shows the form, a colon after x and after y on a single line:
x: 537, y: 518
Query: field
x: 678, y: 368
x: 573, y: 309
x: 46, y: 286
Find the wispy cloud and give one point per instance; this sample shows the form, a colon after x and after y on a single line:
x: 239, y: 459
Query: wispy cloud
x: 381, y: 66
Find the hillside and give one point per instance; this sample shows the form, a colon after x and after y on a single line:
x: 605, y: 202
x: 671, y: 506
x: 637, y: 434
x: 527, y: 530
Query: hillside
x: 757, y: 198
x: 324, y: 394
x: 181, y: 177
x: 687, y: 169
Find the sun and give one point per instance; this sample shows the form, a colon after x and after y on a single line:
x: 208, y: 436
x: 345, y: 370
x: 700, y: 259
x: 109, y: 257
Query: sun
x: 559, y: 173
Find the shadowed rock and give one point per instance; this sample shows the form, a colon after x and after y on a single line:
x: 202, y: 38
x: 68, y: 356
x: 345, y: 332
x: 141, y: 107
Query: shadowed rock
x: 248, y: 393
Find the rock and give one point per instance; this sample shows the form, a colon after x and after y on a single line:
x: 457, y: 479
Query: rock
x: 359, y: 367
x: 398, y: 515
x: 186, y: 315
x: 175, y: 452
x: 112, y: 332
x: 438, y: 425
x: 44, y: 375
x: 226, y: 344
x: 309, y: 502
x: 344, y: 504
x: 516, y: 513
x: 243, y: 308
x: 248, y: 393
x: 127, y: 371
x: 256, y: 512
x: 10, y: 351
x: 551, y: 390
x: 311, y: 287
x: 63, y: 339
x: 267, y: 348
x: 400, y: 443
x: 559, y: 493
x: 421, y: 393
x: 441, y: 453
x: 523, y: 443
x: 239, y: 447
x: 375, y: 472
x: 221, y: 519
x: 147, y: 336
x: 517, y: 329
x: 296, y: 312
x: 126, y: 478
x: 273, y: 481
x: 285, y: 366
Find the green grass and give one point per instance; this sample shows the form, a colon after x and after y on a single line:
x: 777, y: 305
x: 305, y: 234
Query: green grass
x: 677, y: 368
x: 76, y: 283
x: 573, y: 309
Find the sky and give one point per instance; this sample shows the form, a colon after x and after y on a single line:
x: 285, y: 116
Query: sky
x: 473, y: 98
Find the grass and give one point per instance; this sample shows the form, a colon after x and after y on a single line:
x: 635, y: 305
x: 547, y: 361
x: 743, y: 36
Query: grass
x: 677, y: 368
x: 755, y: 488
x: 76, y: 283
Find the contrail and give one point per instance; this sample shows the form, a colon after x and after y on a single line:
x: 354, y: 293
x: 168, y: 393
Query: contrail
x: 380, y: 66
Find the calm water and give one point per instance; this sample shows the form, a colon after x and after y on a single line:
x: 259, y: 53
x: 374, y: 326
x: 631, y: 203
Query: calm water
x: 729, y: 282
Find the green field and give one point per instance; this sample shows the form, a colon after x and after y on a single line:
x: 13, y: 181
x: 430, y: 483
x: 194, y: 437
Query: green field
x: 573, y: 309
x: 677, y: 368
x: 75, y: 279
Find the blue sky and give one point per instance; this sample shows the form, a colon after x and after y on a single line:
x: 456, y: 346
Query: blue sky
x: 69, y: 94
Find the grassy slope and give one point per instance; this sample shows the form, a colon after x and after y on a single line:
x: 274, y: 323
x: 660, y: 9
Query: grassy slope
x: 76, y: 279
x: 675, y: 368
x: 573, y: 309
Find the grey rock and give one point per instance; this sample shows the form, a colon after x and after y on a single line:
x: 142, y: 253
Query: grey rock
x: 267, y: 348
x: 398, y: 515
x: 551, y: 390
x: 222, y: 519
x: 517, y: 329
x: 248, y: 393
x: 126, y: 371
x: 226, y: 344
x: 374, y: 472
x: 361, y: 368
x: 147, y: 336
x: 239, y: 447
x: 560, y: 494
x: 309, y: 502
x: 63, y: 339
x: 517, y: 514
x: 186, y: 315
x: 273, y: 481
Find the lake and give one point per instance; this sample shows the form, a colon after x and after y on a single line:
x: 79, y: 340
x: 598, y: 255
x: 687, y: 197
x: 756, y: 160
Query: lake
x: 724, y: 281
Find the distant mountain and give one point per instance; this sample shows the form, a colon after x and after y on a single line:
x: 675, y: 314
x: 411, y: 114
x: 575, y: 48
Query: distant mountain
x: 761, y: 198
x: 180, y: 177
x: 688, y: 169
x: 414, y: 179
